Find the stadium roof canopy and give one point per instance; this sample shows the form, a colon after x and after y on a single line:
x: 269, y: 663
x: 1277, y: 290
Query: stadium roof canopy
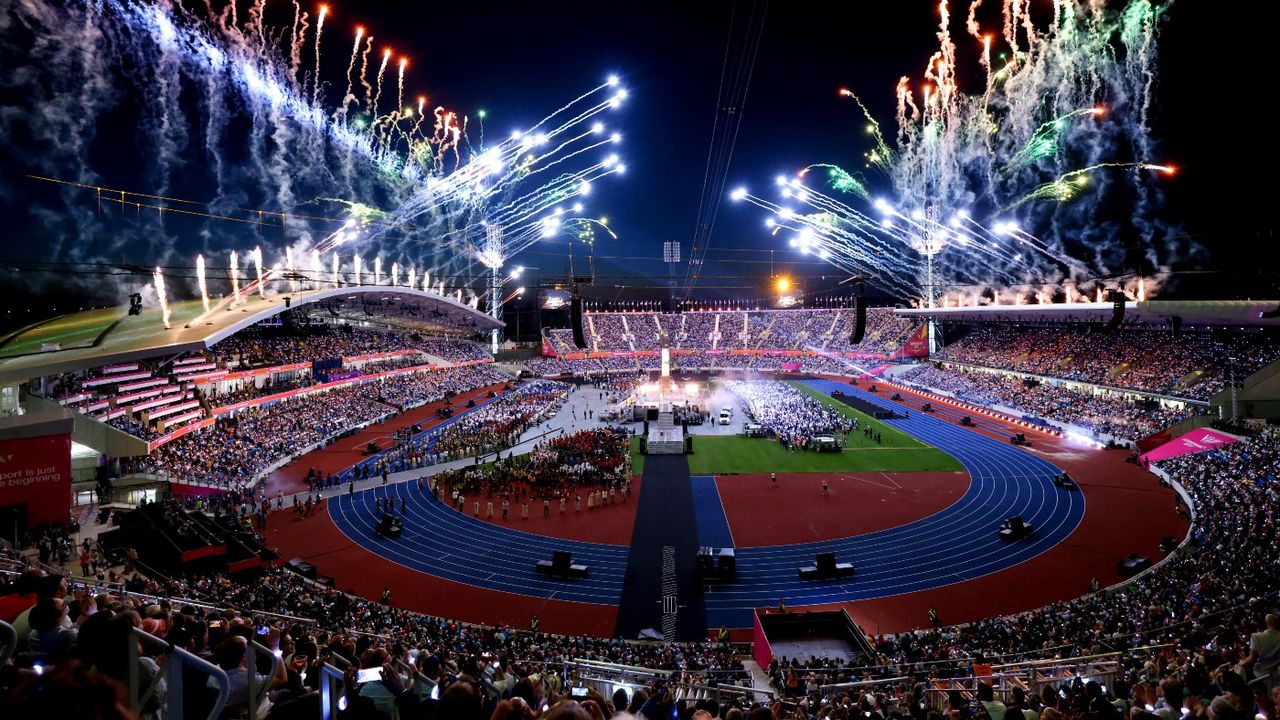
x: 1233, y: 313
x: 100, y: 337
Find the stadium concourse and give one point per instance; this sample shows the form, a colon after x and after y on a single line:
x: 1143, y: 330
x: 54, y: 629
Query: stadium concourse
x: 309, y: 435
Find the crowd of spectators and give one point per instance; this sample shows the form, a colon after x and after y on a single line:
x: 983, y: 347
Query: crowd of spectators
x: 596, y: 462
x: 442, y: 669
x: 491, y: 428
x: 421, y: 388
x: 1192, y: 364
x: 240, y: 447
x: 1103, y: 413
x: 796, y: 329
x: 782, y: 410
x: 499, y: 424
x: 1193, y: 632
x: 454, y: 351
x: 250, y: 349
x: 1204, y: 603
x: 696, y: 333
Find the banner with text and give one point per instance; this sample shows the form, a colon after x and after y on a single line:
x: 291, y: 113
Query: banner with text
x: 1196, y: 441
x: 37, y: 472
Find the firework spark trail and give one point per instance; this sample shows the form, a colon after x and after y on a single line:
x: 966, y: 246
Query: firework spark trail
x: 971, y: 23
x: 1018, y: 144
x: 299, y: 150
x: 382, y: 70
x: 315, y: 83
x: 364, y: 72
x: 163, y: 297
x: 400, y: 85
x: 337, y: 282
x: 349, y: 97
x: 297, y: 40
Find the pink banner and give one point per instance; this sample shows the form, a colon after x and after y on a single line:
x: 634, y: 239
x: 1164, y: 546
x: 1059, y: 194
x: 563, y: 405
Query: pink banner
x: 1196, y: 441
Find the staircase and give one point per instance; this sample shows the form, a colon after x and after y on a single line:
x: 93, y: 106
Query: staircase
x: 665, y: 438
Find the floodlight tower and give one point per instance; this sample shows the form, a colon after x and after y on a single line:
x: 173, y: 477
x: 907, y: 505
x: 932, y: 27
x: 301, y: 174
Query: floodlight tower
x: 493, y: 259
x: 932, y: 241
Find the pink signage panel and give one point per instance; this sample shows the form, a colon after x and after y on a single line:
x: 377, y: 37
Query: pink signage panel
x: 1196, y: 441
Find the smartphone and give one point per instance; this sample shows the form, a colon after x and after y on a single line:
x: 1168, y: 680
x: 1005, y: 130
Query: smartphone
x: 368, y: 675
x: 1062, y: 694
x: 435, y: 692
x: 579, y: 692
x: 264, y: 630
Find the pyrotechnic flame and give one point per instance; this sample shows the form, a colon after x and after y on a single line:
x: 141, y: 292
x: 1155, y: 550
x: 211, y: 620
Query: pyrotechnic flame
x: 257, y: 266
x: 163, y: 298
x: 235, y: 279
x: 204, y: 291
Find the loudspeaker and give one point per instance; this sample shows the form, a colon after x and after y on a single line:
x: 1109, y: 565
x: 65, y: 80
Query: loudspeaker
x: 859, y: 312
x: 826, y: 563
x: 575, y: 319
x: 1117, y: 310
x: 560, y: 561
x: 1175, y: 325
x: 859, y: 320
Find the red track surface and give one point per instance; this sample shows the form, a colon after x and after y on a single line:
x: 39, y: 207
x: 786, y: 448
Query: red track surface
x: 350, y: 450
x: 317, y: 540
x: 1127, y: 512
x: 796, y: 511
x: 610, y: 525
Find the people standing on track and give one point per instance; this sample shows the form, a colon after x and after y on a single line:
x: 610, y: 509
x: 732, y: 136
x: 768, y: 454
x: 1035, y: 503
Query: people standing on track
x: 773, y: 477
x: 825, y: 488
x: 546, y: 508
x: 506, y: 505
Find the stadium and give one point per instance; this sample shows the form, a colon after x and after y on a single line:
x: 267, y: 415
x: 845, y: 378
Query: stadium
x: 967, y: 451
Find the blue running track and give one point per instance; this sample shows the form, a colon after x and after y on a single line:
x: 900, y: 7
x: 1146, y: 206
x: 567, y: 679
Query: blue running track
x: 440, y: 541
x: 955, y: 544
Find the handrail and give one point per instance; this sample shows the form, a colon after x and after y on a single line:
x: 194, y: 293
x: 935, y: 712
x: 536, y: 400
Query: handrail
x: 329, y: 705
x: 10, y: 641
x: 257, y: 695
x: 175, y: 659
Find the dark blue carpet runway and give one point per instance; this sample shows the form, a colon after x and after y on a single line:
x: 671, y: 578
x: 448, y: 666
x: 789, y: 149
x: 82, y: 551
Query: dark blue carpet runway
x: 662, y: 573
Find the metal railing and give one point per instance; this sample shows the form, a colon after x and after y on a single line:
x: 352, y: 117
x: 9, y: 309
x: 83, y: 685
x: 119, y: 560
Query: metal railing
x: 603, y: 676
x: 1029, y: 675
x: 9, y: 637
x: 258, y: 694
x: 175, y: 659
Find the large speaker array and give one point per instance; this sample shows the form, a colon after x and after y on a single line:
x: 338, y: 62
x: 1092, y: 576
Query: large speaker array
x: 859, y: 312
x: 575, y: 319
x: 1117, y: 310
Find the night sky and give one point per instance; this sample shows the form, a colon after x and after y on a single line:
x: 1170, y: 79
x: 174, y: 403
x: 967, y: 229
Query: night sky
x: 518, y: 61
